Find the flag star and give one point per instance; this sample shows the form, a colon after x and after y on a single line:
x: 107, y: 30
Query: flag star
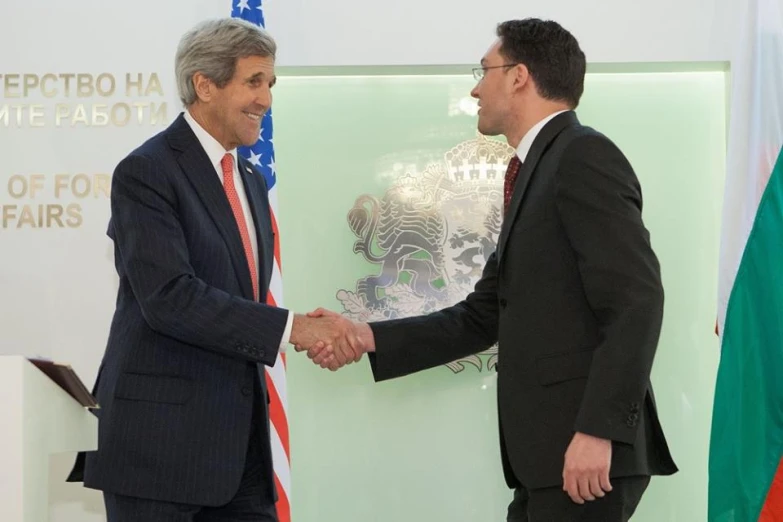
x: 272, y: 167
x: 254, y: 158
x: 261, y: 134
x: 242, y: 5
x: 260, y: 7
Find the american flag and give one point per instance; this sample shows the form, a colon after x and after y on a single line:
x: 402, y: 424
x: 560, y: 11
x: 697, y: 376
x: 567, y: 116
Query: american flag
x: 262, y: 156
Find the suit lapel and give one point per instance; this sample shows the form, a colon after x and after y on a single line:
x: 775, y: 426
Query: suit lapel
x: 258, y: 201
x: 528, y: 169
x: 197, y: 168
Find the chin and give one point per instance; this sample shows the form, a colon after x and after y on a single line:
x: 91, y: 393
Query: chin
x: 484, y: 128
x: 487, y: 131
x: 248, y: 141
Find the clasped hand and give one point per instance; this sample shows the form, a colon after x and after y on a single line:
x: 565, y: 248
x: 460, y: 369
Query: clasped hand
x: 331, y: 340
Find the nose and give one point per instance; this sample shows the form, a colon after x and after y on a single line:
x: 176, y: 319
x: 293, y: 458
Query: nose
x: 474, y: 92
x: 264, y: 98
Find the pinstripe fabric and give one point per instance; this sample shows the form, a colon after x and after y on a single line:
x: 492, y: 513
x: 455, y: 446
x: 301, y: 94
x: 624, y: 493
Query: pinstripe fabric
x: 252, y: 502
x: 176, y: 381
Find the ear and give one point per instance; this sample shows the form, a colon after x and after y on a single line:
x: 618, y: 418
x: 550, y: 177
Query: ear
x: 520, y: 76
x: 205, y: 88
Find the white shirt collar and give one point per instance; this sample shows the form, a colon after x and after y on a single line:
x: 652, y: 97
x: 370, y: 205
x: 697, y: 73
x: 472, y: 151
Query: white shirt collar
x: 211, y: 146
x: 530, y: 136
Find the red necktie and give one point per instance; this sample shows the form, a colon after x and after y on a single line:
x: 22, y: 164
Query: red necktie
x: 233, y: 199
x: 511, y: 177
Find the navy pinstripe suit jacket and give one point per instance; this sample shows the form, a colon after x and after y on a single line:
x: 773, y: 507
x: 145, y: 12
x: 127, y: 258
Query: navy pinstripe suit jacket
x: 176, y: 381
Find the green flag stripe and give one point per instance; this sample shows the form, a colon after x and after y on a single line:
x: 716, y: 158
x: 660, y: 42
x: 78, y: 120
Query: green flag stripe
x: 747, y: 428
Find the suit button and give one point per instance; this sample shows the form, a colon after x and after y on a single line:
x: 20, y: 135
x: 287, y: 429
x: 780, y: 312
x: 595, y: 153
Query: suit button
x: 247, y: 391
x: 260, y: 353
x: 503, y: 303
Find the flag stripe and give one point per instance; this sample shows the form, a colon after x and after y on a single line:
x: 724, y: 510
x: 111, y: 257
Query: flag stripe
x: 746, y: 442
x: 277, y: 242
x: 262, y: 156
x: 276, y: 284
x: 278, y: 377
x: 278, y: 451
x: 773, y: 506
x: 283, y: 507
x: 277, y: 415
x: 747, y: 428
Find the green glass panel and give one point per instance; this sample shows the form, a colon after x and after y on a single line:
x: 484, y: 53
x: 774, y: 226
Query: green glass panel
x: 424, y: 448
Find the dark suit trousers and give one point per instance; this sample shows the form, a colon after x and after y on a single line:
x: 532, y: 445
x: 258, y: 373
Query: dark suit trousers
x: 252, y: 501
x: 554, y: 504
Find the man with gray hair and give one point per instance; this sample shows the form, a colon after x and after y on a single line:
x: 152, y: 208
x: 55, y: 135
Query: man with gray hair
x: 184, y: 421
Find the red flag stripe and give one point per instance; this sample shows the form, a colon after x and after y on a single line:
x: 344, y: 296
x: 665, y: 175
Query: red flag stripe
x: 278, y: 416
x: 282, y: 506
x: 773, y: 507
x: 277, y: 242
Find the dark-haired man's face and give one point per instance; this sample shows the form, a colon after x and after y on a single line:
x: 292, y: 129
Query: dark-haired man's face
x: 493, y: 92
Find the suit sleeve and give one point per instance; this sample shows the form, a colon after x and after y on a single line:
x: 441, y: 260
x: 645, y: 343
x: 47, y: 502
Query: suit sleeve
x: 600, y: 205
x: 154, y: 258
x: 405, y: 346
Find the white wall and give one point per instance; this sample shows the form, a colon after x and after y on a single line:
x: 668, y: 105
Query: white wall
x: 424, y: 32
x: 58, y: 285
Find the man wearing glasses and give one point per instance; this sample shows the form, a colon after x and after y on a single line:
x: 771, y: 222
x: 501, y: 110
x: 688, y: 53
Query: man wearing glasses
x: 572, y: 296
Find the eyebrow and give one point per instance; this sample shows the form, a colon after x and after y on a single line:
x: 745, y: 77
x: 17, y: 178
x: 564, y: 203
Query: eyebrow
x: 261, y: 76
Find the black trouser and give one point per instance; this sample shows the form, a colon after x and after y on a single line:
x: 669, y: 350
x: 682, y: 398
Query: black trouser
x: 554, y: 504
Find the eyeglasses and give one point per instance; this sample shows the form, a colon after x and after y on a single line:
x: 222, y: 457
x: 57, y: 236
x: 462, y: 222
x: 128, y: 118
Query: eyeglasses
x: 478, y: 72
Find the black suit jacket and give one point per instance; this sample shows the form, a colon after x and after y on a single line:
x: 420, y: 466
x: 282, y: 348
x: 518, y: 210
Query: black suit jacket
x: 187, y: 340
x: 573, y: 297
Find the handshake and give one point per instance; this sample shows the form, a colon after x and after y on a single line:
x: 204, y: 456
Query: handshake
x: 331, y: 340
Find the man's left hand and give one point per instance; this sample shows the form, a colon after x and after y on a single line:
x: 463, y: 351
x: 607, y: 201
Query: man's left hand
x: 586, y: 468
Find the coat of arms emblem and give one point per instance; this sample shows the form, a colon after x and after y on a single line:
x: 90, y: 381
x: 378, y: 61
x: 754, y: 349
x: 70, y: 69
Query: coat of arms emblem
x: 431, y: 234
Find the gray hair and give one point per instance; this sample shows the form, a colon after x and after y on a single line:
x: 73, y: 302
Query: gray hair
x: 213, y: 48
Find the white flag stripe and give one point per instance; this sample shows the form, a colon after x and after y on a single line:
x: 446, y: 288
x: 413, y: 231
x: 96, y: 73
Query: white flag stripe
x: 280, y: 463
x: 276, y: 285
x: 277, y: 374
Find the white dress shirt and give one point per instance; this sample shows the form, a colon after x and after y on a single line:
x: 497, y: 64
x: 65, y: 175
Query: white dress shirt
x: 530, y: 136
x: 215, y: 153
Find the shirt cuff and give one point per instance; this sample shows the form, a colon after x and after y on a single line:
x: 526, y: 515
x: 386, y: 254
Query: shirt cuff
x: 287, y: 332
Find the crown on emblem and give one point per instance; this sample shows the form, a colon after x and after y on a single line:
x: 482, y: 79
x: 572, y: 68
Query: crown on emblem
x: 478, y: 161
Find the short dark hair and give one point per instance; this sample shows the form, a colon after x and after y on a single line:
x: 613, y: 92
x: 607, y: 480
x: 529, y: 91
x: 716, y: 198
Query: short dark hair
x: 551, y: 55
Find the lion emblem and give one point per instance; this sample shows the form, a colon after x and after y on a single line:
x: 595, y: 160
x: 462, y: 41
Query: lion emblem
x: 431, y: 234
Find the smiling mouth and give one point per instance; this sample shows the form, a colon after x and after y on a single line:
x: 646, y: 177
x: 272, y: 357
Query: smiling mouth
x: 254, y: 117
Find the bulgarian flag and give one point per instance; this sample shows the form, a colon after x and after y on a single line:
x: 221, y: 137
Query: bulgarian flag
x: 746, y: 443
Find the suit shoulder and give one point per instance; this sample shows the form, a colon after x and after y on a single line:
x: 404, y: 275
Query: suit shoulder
x: 151, y: 155
x: 587, y: 150
x: 580, y: 139
x: 153, y: 147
